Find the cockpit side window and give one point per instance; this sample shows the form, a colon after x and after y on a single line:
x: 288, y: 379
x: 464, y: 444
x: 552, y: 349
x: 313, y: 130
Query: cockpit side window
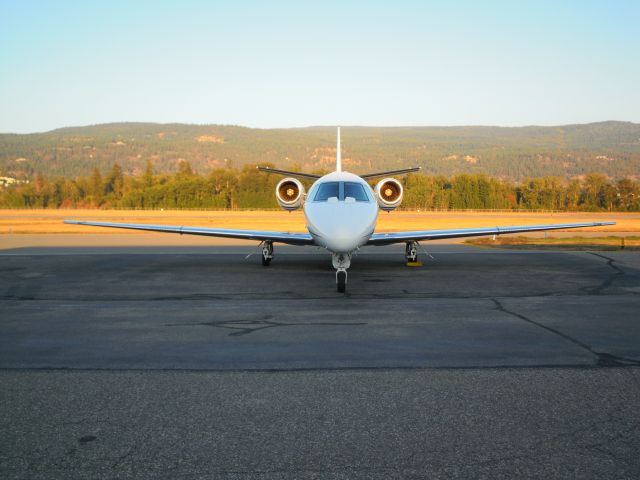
x: 326, y: 191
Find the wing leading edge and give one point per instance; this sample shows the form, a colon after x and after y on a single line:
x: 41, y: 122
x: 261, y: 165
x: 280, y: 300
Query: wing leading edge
x: 282, y: 237
x: 397, y: 237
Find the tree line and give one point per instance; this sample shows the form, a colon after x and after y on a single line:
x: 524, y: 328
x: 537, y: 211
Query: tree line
x: 228, y: 188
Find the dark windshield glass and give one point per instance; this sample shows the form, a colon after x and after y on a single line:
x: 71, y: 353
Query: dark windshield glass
x: 341, y: 190
x: 355, y: 191
x: 326, y: 191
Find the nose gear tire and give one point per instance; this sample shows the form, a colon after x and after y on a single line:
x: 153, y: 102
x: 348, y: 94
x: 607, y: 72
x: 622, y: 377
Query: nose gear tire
x: 341, y: 281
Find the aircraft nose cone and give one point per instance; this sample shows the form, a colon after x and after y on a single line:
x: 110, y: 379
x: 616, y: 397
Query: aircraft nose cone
x: 343, y: 240
x: 344, y: 233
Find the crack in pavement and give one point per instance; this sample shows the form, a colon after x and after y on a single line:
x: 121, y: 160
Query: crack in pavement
x: 245, y: 327
x: 607, y: 283
x: 603, y: 359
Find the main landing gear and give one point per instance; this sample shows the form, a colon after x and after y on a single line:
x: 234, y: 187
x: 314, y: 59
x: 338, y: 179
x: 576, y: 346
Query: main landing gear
x: 267, y: 252
x: 341, y: 261
x: 411, y: 254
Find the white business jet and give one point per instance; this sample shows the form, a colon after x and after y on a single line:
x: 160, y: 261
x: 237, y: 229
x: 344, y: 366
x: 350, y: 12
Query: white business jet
x: 341, y: 211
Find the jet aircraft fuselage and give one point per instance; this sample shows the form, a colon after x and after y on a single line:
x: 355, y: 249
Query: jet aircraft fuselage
x: 341, y: 212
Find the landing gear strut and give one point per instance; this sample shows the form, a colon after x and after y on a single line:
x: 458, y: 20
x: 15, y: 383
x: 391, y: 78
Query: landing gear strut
x: 267, y: 252
x: 341, y: 261
x: 411, y: 252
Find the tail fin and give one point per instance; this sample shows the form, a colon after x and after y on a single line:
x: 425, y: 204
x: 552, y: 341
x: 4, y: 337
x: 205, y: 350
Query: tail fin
x: 338, y: 154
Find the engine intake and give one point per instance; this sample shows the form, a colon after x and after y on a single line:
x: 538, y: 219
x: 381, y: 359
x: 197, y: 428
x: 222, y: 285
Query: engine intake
x: 290, y: 193
x: 389, y: 194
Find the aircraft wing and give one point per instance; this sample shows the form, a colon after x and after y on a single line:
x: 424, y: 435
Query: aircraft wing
x: 398, y: 237
x: 281, y: 237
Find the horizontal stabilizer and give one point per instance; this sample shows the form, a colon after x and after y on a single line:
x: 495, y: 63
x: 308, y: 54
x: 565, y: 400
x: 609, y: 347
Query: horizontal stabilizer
x: 390, y: 172
x: 288, y: 173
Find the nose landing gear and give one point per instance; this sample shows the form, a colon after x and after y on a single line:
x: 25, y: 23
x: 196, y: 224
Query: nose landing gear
x: 341, y: 280
x: 267, y: 253
x: 341, y: 261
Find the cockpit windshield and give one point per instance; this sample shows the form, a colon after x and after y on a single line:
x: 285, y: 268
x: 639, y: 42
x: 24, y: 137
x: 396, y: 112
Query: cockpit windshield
x: 341, y: 191
x: 326, y: 191
x: 356, y: 191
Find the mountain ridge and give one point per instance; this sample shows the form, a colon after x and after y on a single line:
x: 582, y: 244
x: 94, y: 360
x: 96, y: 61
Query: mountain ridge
x: 514, y: 153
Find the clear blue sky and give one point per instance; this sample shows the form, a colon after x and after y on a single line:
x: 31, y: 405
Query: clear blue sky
x: 291, y: 64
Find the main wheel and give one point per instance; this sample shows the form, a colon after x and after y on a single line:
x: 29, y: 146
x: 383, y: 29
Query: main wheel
x: 411, y: 252
x: 341, y: 278
x: 267, y: 253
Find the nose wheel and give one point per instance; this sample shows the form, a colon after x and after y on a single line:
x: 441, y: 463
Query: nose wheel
x: 267, y: 253
x: 341, y: 280
x: 341, y: 261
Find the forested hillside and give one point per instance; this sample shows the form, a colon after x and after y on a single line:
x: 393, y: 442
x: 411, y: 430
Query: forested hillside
x: 249, y: 188
x: 612, y: 148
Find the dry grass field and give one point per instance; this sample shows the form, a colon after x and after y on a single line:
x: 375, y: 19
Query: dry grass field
x: 44, y: 228
x: 50, y: 221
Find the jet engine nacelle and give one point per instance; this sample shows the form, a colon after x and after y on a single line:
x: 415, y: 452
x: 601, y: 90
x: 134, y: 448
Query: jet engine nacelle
x: 389, y: 193
x: 290, y: 193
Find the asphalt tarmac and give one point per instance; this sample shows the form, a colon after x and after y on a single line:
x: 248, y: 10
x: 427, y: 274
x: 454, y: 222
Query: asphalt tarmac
x: 172, y: 362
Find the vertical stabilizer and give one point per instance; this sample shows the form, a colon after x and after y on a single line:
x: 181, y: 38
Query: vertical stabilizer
x: 338, y: 154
